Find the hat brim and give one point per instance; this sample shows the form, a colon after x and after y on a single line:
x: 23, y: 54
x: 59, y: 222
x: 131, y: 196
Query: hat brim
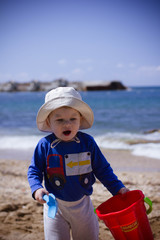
x: 50, y: 106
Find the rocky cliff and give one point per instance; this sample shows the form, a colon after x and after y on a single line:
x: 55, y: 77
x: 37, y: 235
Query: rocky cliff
x: 12, y: 86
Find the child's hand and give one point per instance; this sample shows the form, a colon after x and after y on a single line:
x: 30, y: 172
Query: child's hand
x: 123, y: 190
x: 39, y: 195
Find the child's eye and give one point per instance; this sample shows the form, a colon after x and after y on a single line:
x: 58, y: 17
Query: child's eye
x: 59, y: 120
x: 73, y: 119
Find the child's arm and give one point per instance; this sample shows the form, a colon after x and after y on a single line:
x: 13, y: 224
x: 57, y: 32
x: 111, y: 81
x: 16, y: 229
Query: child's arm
x: 36, y: 170
x: 105, y: 174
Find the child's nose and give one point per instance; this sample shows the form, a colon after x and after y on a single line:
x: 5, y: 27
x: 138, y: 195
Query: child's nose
x: 67, y: 122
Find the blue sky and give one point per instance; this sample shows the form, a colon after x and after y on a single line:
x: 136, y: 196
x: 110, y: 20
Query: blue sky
x: 84, y: 40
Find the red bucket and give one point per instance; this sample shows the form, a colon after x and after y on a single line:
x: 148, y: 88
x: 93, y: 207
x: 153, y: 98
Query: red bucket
x: 125, y: 216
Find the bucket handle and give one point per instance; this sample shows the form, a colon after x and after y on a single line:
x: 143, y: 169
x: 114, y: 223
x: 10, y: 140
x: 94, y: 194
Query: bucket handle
x: 149, y: 202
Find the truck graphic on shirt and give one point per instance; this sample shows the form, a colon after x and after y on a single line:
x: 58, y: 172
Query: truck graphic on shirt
x: 77, y: 164
x: 55, y: 171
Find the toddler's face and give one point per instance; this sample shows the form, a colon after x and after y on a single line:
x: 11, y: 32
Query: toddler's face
x: 65, y: 123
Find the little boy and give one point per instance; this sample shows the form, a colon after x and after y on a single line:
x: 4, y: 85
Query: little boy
x: 69, y: 160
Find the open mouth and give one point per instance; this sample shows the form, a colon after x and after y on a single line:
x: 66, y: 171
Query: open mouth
x: 66, y: 133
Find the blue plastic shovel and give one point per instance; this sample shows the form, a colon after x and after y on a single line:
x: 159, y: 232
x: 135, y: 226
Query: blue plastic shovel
x: 52, y: 204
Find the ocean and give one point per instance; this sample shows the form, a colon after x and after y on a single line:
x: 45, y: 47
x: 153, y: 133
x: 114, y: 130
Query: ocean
x: 123, y: 120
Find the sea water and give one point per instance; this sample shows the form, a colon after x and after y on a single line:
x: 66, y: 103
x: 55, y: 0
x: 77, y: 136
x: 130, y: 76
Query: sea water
x: 122, y: 120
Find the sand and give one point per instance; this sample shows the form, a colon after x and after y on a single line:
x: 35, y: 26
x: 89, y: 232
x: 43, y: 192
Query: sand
x: 22, y: 218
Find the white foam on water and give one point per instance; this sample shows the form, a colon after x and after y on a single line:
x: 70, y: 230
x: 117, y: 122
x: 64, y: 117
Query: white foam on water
x: 149, y: 150
x: 121, y: 141
x: 19, y: 142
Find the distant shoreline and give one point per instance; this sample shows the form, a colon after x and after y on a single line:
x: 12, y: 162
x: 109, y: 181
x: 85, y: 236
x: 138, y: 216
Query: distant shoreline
x: 35, y: 86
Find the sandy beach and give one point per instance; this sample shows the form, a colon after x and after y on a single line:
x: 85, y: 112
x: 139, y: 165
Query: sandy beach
x: 22, y: 218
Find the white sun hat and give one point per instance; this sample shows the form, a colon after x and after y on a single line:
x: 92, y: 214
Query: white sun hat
x: 64, y: 97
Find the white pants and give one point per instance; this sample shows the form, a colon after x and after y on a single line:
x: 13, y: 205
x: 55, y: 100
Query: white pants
x: 77, y: 218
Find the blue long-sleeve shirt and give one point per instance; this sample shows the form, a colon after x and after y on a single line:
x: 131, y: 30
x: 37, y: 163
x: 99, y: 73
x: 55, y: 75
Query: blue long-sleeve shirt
x: 69, y: 168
